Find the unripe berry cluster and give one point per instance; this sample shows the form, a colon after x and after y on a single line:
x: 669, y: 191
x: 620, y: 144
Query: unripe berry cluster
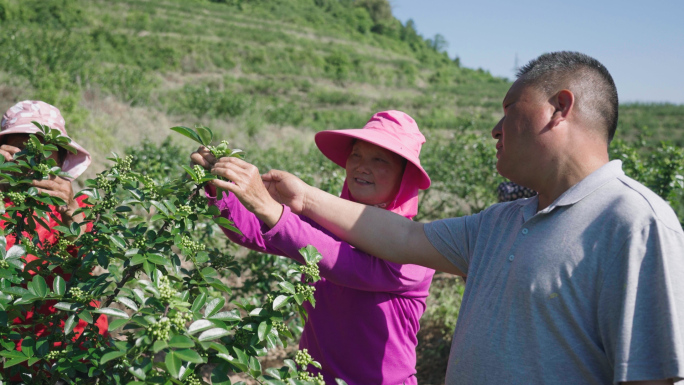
x: 106, y: 204
x: 221, y: 150
x: 55, y: 354
x: 280, y: 326
x: 139, y: 243
x: 30, y: 147
x: 148, y: 181
x: 104, y: 184
x: 179, y: 320
x: 16, y: 197
x: 192, y: 380
x: 166, y: 292
x: 304, y: 289
x: 160, y: 330
x: 191, y: 245
x: 242, y: 337
x: 311, y: 271
x: 303, y: 358
x: 4, y: 264
x: 185, y: 209
x: 306, y: 376
x: 79, y: 295
x: 87, y: 240
x: 221, y: 261
x: 43, y: 169
x: 199, y: 170
x: 28, y: 246
x: 124, y: 164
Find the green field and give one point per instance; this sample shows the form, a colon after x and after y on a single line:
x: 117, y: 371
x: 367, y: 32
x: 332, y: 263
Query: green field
x: 266, y: 75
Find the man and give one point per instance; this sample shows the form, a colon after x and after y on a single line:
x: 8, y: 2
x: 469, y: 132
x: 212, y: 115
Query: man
x: 581, y: 284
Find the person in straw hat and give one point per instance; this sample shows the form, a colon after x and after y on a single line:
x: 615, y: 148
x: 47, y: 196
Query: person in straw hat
x: 15, y: 128
x: 363, y: 328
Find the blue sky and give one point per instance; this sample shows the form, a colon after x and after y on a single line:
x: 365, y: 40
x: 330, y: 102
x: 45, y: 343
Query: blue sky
x: 640, y: 42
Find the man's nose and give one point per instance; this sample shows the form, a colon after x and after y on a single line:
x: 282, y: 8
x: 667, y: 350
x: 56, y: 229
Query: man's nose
x: 496, y: 131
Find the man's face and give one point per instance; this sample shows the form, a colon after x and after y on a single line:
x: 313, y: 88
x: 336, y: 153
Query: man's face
x: 520, y: 133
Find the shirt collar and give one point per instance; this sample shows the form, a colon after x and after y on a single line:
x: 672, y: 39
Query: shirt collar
x: 588, y: 185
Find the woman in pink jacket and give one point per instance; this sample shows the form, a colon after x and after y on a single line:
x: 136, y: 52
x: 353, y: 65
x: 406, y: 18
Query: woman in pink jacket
x: 363, y: 328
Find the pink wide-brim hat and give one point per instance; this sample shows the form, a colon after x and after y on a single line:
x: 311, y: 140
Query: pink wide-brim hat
x: 17, y: 120
x: 392, y: 130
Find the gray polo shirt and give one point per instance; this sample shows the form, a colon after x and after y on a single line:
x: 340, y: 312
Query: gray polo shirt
x: 589, y: 290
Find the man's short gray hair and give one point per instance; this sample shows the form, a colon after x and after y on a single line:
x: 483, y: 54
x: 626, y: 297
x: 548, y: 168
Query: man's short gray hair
x: 595, y: 93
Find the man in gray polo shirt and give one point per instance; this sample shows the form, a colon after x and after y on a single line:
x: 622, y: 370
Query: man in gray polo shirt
x: 581, y: 284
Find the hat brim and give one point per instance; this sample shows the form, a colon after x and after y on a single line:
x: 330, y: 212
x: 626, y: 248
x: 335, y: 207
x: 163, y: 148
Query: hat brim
x: 336, y: 145
x: 74, y: 164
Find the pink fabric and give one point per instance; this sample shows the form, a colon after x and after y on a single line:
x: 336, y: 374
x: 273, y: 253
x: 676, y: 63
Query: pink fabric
x: 17, y: 120
x: 392, y: 130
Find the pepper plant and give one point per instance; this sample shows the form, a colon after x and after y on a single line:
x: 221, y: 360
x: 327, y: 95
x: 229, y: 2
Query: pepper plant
x: 158, y: 285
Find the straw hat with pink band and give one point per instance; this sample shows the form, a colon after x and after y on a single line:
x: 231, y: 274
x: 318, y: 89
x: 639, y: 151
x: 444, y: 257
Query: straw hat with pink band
x: 17, y: 120
x: 391, y: 130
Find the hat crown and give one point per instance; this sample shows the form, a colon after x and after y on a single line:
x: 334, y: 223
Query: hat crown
x: 399, y: 126
x: 24, y: 112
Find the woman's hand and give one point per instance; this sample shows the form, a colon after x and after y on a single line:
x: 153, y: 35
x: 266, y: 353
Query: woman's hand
x: 8, y: 152
x: 248, y: 188
x: 206, y: 159
x: 286, y: 189
x: 61, y: 188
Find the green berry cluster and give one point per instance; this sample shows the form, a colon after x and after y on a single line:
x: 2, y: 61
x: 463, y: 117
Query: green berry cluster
x: 30, y: 147
x: 124, y: 164
x: 79, y: 295
x: 87, y: 240
x: 311, y: 271
x: 280, y: 326
x: 160, y: 330
x: 179, y: 320
x: 303, y: 358
x: 28, y: 245
x: 43, y: 169
x: 185, y: 209
x: 106, y: 204
x: 166, y: 292
x: 192, y: 380
x: 306, y: 376
x: 199, y: 170
x: 16, y: 197
x: 221, y: 150
x: 104, y: 184
x: 4, y: 264
x: 221, y: 261
x: 55, y: 354
x: 139, y: 243
x: 242, y: 337
x: 307, y: 290
x: 148, y: 181
x: 191, y: 245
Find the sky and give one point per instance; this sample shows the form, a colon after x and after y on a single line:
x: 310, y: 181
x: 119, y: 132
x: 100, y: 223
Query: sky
x: 640, y: 42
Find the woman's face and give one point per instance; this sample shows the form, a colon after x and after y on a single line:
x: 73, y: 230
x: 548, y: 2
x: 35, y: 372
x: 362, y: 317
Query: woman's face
x: 373, y: 173
x: 18, y: 140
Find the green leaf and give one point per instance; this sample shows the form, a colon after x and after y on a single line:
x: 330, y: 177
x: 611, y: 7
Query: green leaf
x: 263, y: 330
x: 227, y: 224
x: 219, y: 376
x: 158, y: 259
x: 111, y: 356
x: 118, y: 242
x: 199, y: 302
x: 300, y: 298
x: 113, y: 312
x: 280, y: 301
x: 287, y: 287
x: 59, y: 285
x: 86, y: 316
x: 66, y: 306
x: 205, y: 135
x: 232, y: 315
x: 117, y: 323
x: 199, y: 325
x: 213, y: 334
x: 159, y: 345
x: 128, y: 303
x: 173, y: 364
x: 189, y: 355
x: 15, y: 361
x: 214, y: 306
x: 188, y: 132
x: 69, y: 324
x: 40, y: 286
x: 180, y: 341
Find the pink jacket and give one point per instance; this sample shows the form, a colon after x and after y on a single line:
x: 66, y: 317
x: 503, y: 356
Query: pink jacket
x: 363, y: 328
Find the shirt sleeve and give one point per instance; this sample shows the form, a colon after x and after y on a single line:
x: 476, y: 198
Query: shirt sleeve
x: 249, y: 225
x: 451, y: 237
x: 641, y: 306
x: 342, y: 263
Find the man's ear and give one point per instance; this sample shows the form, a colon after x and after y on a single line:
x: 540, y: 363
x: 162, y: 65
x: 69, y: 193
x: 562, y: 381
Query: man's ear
x: 564, y: 104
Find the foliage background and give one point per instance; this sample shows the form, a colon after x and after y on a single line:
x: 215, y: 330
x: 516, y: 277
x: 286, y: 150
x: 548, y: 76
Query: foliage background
x: 267, y: 75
